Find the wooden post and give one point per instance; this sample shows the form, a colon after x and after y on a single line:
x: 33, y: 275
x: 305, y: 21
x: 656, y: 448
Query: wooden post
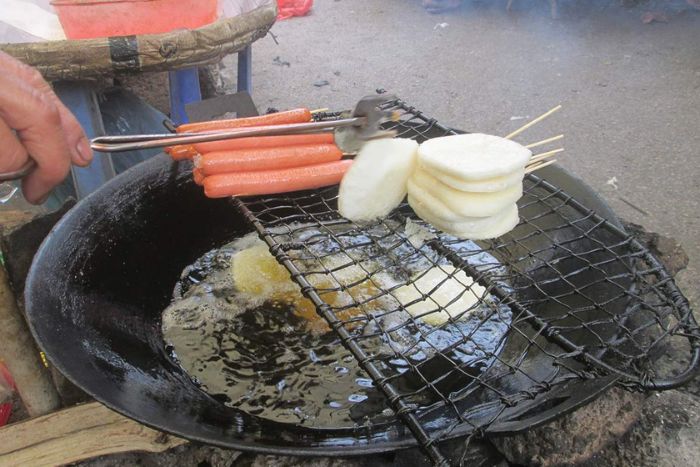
x: 20, y: 355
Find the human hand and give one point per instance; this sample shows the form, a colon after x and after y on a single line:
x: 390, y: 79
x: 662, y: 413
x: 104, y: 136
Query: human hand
x: 35, y: 124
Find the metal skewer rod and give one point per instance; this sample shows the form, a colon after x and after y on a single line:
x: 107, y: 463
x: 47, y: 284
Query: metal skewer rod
x: 137, y: 142
x: 533, y: 122
x: 544, y: 141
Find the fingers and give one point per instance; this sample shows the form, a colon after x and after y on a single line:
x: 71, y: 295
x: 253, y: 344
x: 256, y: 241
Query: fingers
x: 37, y: 123
x: 14, y: 155
x: 29, y: 106
x: 81, y: 154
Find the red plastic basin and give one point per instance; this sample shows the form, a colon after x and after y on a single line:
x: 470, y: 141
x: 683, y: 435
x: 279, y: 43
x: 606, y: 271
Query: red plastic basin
x: 87, y: 19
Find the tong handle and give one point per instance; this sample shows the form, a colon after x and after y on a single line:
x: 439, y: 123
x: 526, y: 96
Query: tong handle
x: 19, y: 173
x: 137, y: 142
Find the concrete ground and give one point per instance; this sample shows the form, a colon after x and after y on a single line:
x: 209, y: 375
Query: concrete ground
x: 631, y: 92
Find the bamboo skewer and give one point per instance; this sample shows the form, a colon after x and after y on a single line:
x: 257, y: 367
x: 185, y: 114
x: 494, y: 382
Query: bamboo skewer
x: 533, y: 122
x: 544, y: 141
x: 545, y: 155
x: 538, y: 165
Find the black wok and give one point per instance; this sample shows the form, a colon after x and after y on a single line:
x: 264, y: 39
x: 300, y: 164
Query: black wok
x: 102, y: 277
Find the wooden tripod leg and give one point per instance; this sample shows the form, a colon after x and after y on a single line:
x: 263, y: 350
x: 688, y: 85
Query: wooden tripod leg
x: 20, y: 355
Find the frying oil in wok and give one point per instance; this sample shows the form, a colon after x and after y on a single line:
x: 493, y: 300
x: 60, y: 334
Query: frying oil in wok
x: 242, y: 330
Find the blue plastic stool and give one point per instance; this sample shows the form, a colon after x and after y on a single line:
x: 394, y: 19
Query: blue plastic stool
x: 81, y: 99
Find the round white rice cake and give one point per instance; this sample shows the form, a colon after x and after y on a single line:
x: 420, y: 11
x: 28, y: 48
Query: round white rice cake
x: 423, y: 186
x: 474, y: 157
x: 456, y: 295
x: 470, y: 228
x: 482, y: 186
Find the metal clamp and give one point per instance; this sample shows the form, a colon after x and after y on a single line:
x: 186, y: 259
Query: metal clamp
x: 19, y: 173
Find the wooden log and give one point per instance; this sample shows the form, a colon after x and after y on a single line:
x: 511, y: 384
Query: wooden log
x: 92, y: 59
x: 12, y: 218
x: 20, y: 355
x: 78, y: 433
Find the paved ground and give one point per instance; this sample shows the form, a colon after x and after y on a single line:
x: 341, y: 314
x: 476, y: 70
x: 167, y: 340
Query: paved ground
x: 631, y: 92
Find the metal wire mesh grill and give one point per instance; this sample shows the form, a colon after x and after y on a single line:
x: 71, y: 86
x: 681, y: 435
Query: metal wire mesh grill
x: 461, y: 335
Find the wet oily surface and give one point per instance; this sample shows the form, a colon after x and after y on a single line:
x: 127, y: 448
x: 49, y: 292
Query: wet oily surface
x: 242, y: 330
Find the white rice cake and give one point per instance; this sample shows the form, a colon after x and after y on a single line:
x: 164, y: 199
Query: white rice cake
x: 474, y: 157
x: 424, y: 187
x: 489, y: 185
x: 456, y: 295
x: 375, y: 184
x: 471, y: 228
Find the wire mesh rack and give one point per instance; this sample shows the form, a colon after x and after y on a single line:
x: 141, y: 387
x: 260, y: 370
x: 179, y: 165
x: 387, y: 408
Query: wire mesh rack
x: 462, y: 335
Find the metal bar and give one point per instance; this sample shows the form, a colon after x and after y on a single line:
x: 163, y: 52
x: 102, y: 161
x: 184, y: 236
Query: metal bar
x: 402, y: 410
x: 245, y: 70
x: 81, y: 99
x: 184, y: 89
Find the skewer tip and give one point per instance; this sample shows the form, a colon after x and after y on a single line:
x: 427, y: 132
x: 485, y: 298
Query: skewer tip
x: 533, y: 122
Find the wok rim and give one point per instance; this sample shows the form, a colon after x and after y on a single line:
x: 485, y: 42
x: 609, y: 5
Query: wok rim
x: 332, y: 449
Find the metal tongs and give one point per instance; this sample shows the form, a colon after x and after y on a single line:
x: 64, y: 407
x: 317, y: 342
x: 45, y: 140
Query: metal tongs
x: 352, y: 130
